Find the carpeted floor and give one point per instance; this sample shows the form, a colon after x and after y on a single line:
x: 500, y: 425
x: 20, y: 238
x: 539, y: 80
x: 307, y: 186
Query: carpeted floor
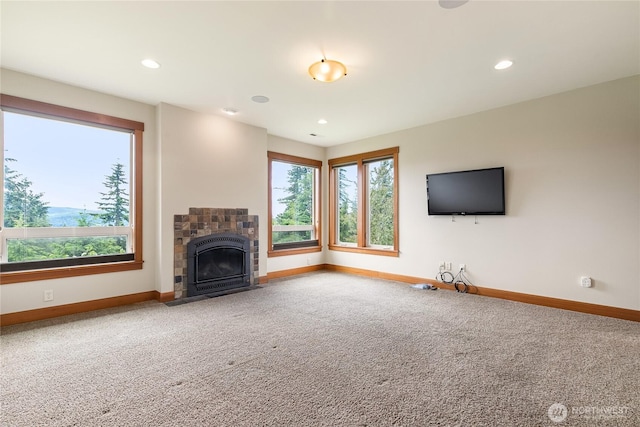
x: 323, y: 349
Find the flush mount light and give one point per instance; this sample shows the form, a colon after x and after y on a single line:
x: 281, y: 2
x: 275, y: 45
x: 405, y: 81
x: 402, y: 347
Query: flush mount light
x: 230, y: 111
x: 322, y: 121
x: 503, y: 65
x: 260, y: 99
x: 451, y: 4
x: 327, y: 70
x: 150, y: 63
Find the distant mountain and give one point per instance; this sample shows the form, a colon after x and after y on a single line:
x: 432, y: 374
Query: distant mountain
x: 65, y: 217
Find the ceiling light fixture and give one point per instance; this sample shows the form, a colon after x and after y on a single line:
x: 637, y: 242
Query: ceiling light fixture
x: 150, y: 63
x: 451, y: 4
x: 230, y: 111
x: 327, y: 70
x: 503, y: 65
x: 322, y: 121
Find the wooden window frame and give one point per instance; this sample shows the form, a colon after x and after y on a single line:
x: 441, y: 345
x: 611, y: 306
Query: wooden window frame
x: 361, y: 160
x: 56, y: 112
x: 302, y: 248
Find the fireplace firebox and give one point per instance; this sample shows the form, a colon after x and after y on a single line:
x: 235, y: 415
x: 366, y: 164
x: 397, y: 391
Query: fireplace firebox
x: 217, y: 263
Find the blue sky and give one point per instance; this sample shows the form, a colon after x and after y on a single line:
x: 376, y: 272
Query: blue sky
x: 67, y: 162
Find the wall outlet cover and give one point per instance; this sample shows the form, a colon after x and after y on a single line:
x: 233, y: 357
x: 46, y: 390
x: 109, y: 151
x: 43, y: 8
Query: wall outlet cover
x: 585, y: 282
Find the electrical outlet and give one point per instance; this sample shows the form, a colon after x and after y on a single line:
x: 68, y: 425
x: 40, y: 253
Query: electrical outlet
x: 463, y: 267
x: 585, y: 282
x: 442, y: 265
x: 48, y: 295
x: 448, y: 266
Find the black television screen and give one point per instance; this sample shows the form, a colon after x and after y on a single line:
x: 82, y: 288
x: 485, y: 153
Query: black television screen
x: 472, y: 192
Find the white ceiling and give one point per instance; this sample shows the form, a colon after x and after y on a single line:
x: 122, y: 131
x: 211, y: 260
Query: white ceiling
x: 409, y: 63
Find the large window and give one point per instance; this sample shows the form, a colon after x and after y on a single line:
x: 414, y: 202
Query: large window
x: 294, y: 204
x: 71, y: 203
x: 363, y: 203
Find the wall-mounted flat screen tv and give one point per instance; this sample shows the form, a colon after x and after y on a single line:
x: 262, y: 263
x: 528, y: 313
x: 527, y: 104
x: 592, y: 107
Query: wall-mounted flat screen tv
x: 472, y: 192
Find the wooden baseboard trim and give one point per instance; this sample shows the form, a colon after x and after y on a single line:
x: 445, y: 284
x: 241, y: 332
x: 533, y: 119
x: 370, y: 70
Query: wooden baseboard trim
x: 79, y: 307
x: 582, y: 307
x: 294, y: 271
x: 164, y: 296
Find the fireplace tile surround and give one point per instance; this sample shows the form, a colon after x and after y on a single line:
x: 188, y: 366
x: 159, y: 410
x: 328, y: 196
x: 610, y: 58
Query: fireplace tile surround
x: 201, y: 222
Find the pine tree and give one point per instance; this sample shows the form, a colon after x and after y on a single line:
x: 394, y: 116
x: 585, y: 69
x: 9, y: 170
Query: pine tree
x: 22, y: 207
x: 347, y: 209
x: 84, y: 219
x: 115, y: 202
x: 381, y: 204
x: 298, y: 202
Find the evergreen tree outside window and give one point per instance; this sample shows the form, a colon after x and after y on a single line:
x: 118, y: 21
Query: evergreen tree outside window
x: 294, y: 206
x: 363, y: 203
x: 347, y: 222
x: 72, y: 184
x: 380, y: 212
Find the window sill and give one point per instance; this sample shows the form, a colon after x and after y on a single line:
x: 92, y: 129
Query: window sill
x: 296, y: 251
x: 63, y: 272
x: 370, y: 251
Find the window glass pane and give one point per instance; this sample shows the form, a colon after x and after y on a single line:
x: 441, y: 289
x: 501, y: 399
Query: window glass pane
x: 61, y: 174
x: 292, y: 203
x: 64, y: 247
x: 380, y: 219
x: 347, y: 206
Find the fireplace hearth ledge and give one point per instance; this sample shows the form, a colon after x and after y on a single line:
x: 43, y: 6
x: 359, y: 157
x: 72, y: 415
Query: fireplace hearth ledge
x: 196, y: 298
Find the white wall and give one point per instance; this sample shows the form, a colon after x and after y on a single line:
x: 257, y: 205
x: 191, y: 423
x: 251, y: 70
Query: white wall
x: 207, y: 161
x: 573, y: 193
x: 26, y: 296
x: 295, y: 148
x: 572, y: 165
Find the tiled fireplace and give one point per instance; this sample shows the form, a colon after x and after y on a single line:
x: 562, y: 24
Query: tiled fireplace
x: 201, y: 222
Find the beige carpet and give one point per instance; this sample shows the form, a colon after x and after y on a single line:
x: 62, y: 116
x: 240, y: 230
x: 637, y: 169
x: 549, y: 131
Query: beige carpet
x: 323, y: 349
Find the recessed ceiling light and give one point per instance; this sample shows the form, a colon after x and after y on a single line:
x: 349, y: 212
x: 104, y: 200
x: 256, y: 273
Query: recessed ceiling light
x: 150, y: 63
x: 260, y: 99
x: 322, y: 121
x: 503, y: 65
x: 230, y: 111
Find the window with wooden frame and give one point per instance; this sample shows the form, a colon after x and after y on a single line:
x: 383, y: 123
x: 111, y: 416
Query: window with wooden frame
x: 72, y: 199
x: 294, y: 205
x: 363, y: 203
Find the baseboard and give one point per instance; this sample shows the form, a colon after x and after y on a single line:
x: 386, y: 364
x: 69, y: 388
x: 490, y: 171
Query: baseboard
x: 81, y: 307
x: 165, y: 296
x: 582, y: 307
x: 294, y: 271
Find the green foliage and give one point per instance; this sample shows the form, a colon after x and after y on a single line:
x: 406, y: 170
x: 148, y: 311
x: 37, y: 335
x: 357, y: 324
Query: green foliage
x: 63, y: 247
x: 85, y: 219
x: 381, y: 204
x: 299, y: 205
x: 22, y: 207
x: 347, y: 209
x: 115, y: 202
